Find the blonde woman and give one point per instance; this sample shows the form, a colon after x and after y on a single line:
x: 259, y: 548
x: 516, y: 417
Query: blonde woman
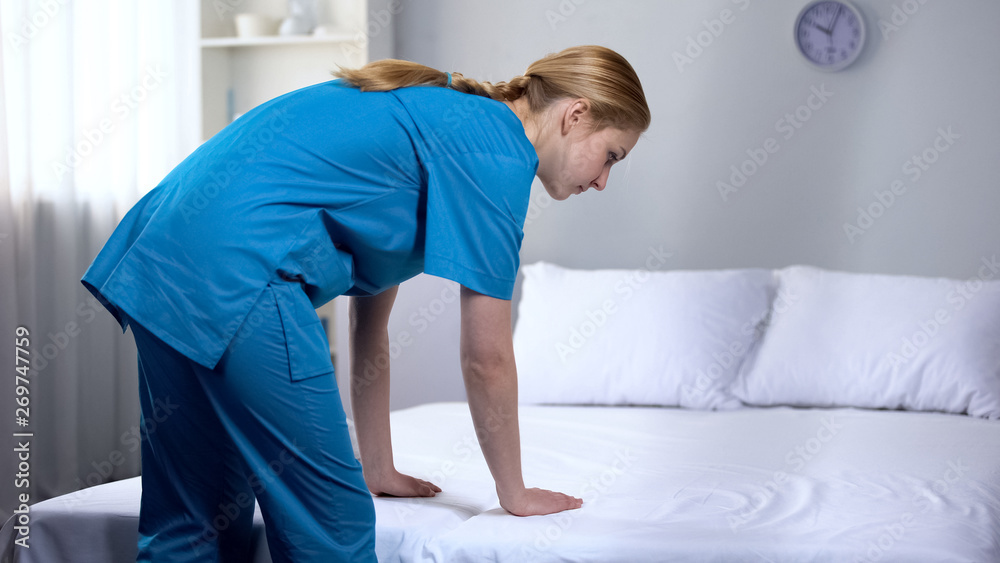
x: 343, y: 188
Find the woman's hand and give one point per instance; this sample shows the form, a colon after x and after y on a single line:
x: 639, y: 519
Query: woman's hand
x: 490, y: 375
x: 529, y: 502
x: 396, y: 484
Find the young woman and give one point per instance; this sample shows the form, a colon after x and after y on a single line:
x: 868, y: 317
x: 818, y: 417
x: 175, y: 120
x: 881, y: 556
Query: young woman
x: 343, y: 188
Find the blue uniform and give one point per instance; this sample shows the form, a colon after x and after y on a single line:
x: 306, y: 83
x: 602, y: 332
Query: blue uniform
x: 349, y: 192
x: 322, y: 192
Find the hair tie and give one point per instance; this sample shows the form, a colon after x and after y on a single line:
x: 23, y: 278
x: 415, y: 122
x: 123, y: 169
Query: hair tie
x: 448, y: 85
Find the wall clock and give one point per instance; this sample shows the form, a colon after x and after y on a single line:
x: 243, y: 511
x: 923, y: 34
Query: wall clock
x: 830, y: 34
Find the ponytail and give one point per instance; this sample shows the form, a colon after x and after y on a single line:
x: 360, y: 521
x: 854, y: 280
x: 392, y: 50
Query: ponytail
x: 389, y: 74
x: 595, y: 73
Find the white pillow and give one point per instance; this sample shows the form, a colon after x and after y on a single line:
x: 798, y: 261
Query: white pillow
x: 878, y: 341
x: 615, y: 337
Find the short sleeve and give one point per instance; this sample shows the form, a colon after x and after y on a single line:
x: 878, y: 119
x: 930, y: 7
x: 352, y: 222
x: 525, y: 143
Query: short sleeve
x: 476, y: 204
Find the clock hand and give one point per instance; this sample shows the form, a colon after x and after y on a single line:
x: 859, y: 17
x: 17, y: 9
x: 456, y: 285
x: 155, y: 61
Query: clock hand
x: 823, y: 29
x: 836, y: 17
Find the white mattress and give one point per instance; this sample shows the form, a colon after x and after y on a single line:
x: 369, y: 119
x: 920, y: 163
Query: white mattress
x: 780, y: 484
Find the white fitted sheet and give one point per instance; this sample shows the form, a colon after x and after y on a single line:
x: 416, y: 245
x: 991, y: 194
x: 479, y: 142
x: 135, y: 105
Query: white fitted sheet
x: 776, y: 484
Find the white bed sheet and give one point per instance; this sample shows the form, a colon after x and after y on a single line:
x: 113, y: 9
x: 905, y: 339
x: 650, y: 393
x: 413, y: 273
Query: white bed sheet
x: 789, y: 485
x: 777, y: 484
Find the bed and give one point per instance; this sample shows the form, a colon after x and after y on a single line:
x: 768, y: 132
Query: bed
x: 726, y: 428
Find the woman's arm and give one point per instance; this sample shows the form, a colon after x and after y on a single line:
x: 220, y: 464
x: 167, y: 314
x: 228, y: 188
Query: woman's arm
x: 369, y: 336
x: 487, y: 353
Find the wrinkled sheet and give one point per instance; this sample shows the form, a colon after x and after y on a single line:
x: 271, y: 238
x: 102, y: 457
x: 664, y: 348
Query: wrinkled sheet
x: 781, y: 484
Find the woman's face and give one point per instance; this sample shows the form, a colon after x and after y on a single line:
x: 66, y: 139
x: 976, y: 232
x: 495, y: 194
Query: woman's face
x: 577, y: 158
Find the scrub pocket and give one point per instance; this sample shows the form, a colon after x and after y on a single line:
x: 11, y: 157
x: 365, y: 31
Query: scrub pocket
x: 308, y: 347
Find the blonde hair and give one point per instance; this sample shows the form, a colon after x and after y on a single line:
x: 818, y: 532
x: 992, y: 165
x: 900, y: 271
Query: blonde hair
x: 595, y: 73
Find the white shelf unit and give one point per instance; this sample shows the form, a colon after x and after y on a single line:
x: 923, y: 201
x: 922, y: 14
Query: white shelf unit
x: 240, y: 73
x: 222, y: 42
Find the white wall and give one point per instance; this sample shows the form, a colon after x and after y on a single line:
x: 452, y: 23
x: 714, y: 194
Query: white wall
x: 940, y: 70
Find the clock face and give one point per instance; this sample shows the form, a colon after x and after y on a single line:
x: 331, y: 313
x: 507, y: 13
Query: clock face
x: 830, y: 34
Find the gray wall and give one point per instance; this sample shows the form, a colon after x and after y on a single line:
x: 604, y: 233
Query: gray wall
x: 937, y: 69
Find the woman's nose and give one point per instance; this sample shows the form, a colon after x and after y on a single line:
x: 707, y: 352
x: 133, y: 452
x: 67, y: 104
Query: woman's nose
x: 601, y: 181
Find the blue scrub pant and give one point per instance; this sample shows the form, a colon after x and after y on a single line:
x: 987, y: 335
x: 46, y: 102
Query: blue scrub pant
x: 215, y: 440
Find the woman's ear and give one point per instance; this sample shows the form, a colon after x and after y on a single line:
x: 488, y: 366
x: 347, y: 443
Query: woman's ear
x: 575, y: 113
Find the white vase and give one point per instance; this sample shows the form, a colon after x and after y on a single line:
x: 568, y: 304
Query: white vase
x: 301, y: 18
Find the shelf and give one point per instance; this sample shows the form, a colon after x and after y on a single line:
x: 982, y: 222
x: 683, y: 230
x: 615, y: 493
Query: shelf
x: 269, y: 40
x: 238, y: 73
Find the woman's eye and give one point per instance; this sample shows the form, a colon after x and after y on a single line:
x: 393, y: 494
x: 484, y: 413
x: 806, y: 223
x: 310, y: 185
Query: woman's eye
x: 612, y: 157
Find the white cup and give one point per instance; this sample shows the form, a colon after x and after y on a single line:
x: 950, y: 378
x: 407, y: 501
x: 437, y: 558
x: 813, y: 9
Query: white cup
x: 253, y: 25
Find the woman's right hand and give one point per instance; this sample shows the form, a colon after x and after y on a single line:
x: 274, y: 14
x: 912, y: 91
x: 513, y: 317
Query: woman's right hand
x: 490, y: 373
x: 396, y: 484
x: 530, y: 502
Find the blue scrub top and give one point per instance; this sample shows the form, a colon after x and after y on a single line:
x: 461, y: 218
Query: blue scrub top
x: 348, y: 192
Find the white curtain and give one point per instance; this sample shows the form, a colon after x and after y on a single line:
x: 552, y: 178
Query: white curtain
x: 98, y: 101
